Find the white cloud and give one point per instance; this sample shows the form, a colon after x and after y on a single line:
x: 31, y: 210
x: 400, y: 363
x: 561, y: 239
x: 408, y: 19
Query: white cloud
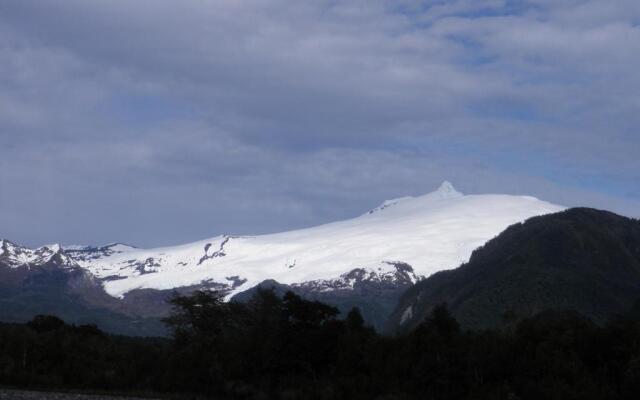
x: 241, y: 115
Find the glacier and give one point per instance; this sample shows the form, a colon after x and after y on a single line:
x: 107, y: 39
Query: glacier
x: 430, y: 233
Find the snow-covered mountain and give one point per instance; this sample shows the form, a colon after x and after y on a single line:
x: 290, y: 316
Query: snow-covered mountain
x: 365, y: 261
x: 430, y: 233
x: 15, y: 256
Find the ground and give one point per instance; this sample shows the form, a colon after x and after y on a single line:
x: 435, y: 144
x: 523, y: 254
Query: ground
x: 30, y: 395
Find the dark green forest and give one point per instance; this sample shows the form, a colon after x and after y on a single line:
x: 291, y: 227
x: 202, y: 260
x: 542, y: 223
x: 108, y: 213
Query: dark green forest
x: 289, y: 348
x: 580, y: 259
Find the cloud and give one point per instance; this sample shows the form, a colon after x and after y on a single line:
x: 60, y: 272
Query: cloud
x: 156, y: 122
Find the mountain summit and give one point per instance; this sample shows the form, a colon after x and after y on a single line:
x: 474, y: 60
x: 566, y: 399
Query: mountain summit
x: 447, y: 191
x: 366, y: 261
x: 430, y: 233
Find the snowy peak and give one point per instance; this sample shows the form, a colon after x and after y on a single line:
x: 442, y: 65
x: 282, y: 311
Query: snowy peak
x: 446, y: 191
x: 6, y: 248
x: 16, y: 256
x: 52, y: 248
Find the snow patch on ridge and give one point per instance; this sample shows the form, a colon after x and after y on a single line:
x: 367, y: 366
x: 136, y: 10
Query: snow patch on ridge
x: 407, y: 314
x: 446, y: 191
x: 389, y: 203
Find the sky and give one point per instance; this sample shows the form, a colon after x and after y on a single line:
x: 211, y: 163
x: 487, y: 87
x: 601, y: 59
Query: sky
x: 162, y: 122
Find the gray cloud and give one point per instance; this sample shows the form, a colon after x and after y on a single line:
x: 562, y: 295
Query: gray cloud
x: 156, y: 122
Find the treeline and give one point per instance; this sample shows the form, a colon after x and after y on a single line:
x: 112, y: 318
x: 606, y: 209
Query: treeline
x: 291, y: 348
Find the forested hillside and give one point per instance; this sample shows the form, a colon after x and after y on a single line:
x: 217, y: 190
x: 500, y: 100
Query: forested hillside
x: 290, y: 348
x: 581, y: 259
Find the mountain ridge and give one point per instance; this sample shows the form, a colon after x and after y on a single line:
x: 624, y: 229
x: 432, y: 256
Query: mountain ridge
x: 396, y: 233
x: 422, y: 235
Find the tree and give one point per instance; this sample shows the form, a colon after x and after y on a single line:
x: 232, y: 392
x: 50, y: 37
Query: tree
x: 354, y: 320
x: 442, y: 322
x: 305, y: 313
x: 45, y: 323
x: 203, y: 313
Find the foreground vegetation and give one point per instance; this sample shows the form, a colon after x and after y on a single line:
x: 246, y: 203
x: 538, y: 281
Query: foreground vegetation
x: 291, y: 348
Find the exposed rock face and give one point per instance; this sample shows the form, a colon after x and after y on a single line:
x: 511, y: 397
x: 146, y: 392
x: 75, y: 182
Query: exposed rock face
x: 374, y: 291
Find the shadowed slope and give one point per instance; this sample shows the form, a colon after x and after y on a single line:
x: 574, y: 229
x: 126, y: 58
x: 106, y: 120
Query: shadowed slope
x: 581, y: 259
